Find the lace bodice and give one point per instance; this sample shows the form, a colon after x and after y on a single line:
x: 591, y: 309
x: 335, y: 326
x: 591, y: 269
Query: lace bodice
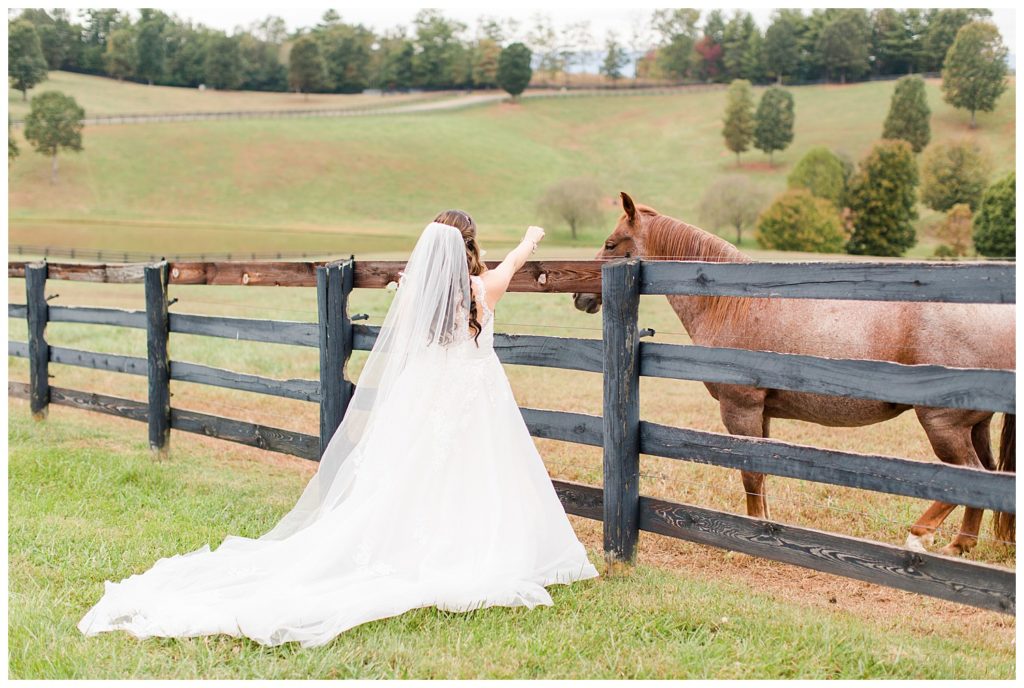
x: 484, y: 315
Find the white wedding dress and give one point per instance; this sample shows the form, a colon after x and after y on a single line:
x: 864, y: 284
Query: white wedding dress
x: 430, y: 493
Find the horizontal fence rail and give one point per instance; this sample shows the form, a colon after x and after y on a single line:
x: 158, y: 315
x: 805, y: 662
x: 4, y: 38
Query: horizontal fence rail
x: 626, y: 512
x: 923, y: 385
x: 953, y: 283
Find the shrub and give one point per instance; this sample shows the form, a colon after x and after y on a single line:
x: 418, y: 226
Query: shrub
x: 955, y: 230
x: 733, y: 202
x: 821, y: 172
x: 996, y: 222
x: 576, y: 202
x: 798, y: 221
x: 953, y: 172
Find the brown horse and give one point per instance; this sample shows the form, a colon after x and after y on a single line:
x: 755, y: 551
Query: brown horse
x: 957, y: 335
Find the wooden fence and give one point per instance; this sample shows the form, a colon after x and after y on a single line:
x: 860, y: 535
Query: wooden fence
x: 622, y: 358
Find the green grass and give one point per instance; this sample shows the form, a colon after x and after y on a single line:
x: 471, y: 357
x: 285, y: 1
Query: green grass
x: 322, y: 184
x: 102, y: 96
x: 87, y: 503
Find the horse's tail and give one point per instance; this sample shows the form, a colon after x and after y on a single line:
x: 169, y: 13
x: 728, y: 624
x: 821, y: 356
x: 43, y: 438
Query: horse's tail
x: 1006, y: 524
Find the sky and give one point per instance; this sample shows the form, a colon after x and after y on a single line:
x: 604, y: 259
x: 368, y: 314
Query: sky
x: 379, y: 15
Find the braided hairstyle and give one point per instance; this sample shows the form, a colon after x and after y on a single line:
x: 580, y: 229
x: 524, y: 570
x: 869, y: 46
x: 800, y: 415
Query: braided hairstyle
x: 460, y: 220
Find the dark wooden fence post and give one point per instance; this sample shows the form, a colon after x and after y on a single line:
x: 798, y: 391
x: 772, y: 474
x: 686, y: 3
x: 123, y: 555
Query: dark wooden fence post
x: 159, y: 368
x: 333, y: 285
x: 620, y: 295
x: 38, y: 349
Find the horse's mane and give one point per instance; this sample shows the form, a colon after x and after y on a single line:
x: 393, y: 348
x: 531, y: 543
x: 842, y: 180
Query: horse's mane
x: 667, y: 238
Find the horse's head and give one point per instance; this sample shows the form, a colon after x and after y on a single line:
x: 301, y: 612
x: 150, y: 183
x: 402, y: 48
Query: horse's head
x: 625, y: 241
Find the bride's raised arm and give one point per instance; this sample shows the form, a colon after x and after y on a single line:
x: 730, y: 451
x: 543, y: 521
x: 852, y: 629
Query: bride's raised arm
x: 496, y: 281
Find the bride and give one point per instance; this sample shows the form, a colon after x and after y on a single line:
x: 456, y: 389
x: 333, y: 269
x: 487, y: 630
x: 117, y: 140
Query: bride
x: 430, y: 492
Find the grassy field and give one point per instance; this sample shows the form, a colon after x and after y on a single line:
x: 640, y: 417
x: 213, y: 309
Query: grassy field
x: 87, y: 504
x: 295, y: 185
x: 102, y: 96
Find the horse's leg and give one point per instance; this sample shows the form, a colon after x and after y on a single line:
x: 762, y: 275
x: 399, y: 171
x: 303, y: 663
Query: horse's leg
x: 952, y: 435
x: 743, y: 414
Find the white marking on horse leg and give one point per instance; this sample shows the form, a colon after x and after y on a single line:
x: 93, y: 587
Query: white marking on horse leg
x: 920, y: 543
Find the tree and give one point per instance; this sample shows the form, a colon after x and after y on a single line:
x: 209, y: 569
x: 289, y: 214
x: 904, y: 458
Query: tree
x: 742, y: 45
x: 940, y: 30
x: 576, y: 39
x: 149, y: 43
x: 438, y: 49
x: 514, y: 72
x: 223, y: 62
x: 614, y: 58
x: 844, y: 43
x: 995, y: 224
x: 954, y: 172
x: 346, y: 52
x: 544, y: 42
x: 54, y: 123
x: 678, y: 30
x: 799, y: 221
x: 782, y: 43
x: 882, y: 201
x: 955, y: 230
x: 12, y: 146
x: 974, y: 74
x: 306, y: 69
x: 775, y: 116
x: 486, y: 54
x: 26, y: 65
x: 909, y: 114
x: 576, y: 202
x: 821, y: 172
x: 738, y: 128
x: 121, y: 58
x: 733, y: 201
x: 709, y: 48
x: 893, y: 43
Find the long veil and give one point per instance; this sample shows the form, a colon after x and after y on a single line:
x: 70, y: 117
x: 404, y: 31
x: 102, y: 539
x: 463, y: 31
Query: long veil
x: 427, y: 317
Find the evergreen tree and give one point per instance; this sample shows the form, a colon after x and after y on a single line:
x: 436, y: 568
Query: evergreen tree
x: 995, y: 225
x: 908, y: 117
x: 514, y: 72
x: 121, y: 59
x: 306, y: 69
x: 26, y: 65
x: 742, y: 44
x: 54, y: 124
x: 844, y: 44
x: 775, y: 117
x: 892, y: 42
x: 974, y: 74
x: 953, y: 172
x: 738, y: 129
x: 781, y: 50
x: 821, y: 172
x: 881, y: 198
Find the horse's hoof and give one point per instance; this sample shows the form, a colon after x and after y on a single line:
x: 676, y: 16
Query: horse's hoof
x: 955, y: 549
x: 920, y: 543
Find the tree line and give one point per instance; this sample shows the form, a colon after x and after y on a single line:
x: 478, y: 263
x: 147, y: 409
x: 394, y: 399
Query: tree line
x: 437, y: 52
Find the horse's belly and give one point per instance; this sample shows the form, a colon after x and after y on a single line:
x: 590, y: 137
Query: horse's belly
x: 833, y: 411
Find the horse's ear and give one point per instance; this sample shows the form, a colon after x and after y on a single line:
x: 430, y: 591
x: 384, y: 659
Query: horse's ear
x: 628, y: 206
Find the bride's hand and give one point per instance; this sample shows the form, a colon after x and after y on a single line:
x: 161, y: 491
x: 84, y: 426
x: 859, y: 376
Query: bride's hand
x: 534, y: 233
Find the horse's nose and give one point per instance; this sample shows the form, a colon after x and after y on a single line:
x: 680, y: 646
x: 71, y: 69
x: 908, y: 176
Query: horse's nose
x: 589, y: 303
